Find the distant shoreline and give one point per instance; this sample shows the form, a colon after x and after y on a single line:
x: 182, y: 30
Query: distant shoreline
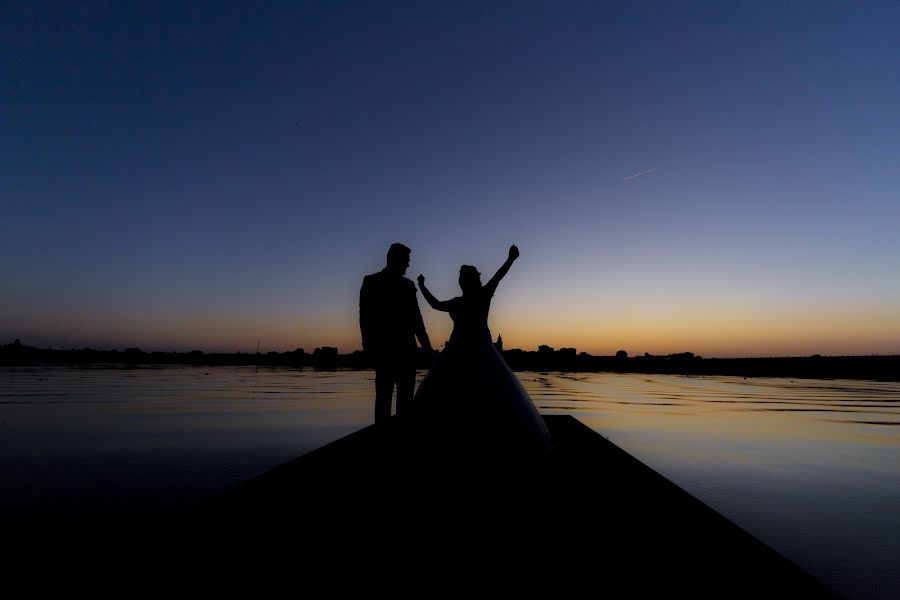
x: 878, y: 367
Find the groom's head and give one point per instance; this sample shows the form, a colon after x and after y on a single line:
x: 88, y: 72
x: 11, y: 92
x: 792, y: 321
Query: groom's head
x: 398, y: 258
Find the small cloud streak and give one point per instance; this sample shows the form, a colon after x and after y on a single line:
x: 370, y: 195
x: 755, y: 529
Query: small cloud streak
x: 636, y: 175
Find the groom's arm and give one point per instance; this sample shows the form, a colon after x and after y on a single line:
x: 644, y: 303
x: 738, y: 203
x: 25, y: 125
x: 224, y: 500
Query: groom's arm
x: 365, y: 315
x: 421, y: 334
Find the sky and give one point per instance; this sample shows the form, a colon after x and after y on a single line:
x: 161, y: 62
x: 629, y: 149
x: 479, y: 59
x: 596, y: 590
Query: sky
x: 714, y: 177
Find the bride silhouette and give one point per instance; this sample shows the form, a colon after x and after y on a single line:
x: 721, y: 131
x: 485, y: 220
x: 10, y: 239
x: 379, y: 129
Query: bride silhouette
x: 471, y: 396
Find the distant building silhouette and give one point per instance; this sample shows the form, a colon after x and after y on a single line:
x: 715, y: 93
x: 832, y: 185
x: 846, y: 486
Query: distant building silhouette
x: 499, y: 343
x: 817, y: 366
x: 621, y: 354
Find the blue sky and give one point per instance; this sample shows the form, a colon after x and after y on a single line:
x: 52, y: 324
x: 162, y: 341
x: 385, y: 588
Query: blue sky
x: 200, y: 175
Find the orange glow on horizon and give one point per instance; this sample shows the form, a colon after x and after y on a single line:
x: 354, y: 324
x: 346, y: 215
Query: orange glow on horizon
x: 707, y: 331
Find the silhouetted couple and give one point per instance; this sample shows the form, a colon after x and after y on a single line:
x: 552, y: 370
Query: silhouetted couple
x: 470, y: 393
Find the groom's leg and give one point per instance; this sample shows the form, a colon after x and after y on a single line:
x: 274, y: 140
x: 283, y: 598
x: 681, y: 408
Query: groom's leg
x: 384, y: 390
x: 406, y: 383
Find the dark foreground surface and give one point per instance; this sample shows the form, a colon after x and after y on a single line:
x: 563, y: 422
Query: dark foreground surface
x: 382, y: 511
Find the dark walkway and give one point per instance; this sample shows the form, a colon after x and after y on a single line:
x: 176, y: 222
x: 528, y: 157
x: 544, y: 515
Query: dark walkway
x: 586, y: 519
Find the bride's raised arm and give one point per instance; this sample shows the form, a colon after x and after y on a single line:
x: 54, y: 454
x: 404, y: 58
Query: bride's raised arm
x: 429, y: 297
x: 491, y: 285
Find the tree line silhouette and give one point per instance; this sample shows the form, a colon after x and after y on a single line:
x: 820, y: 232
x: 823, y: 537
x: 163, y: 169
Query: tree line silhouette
x: 545, y: 358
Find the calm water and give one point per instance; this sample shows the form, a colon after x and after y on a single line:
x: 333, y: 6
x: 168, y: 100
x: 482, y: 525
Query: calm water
x: 810, y: 467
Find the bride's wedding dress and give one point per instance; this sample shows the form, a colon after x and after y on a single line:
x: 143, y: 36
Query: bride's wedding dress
x: 470, y: 395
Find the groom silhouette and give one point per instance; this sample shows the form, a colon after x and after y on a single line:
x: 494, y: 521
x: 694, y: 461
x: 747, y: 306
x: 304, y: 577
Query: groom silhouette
x: 390, y: 322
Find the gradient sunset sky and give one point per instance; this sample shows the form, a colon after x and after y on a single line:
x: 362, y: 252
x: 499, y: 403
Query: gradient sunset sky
x: 715, y: 177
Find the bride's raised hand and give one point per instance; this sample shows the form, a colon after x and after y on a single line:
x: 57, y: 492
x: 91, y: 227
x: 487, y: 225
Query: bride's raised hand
x: 513, y: 252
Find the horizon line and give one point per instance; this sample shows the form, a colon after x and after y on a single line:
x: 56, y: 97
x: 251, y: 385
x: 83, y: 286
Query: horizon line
x: 359, y: 350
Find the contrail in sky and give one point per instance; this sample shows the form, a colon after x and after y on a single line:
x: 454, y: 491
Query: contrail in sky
x: 639, y: 174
